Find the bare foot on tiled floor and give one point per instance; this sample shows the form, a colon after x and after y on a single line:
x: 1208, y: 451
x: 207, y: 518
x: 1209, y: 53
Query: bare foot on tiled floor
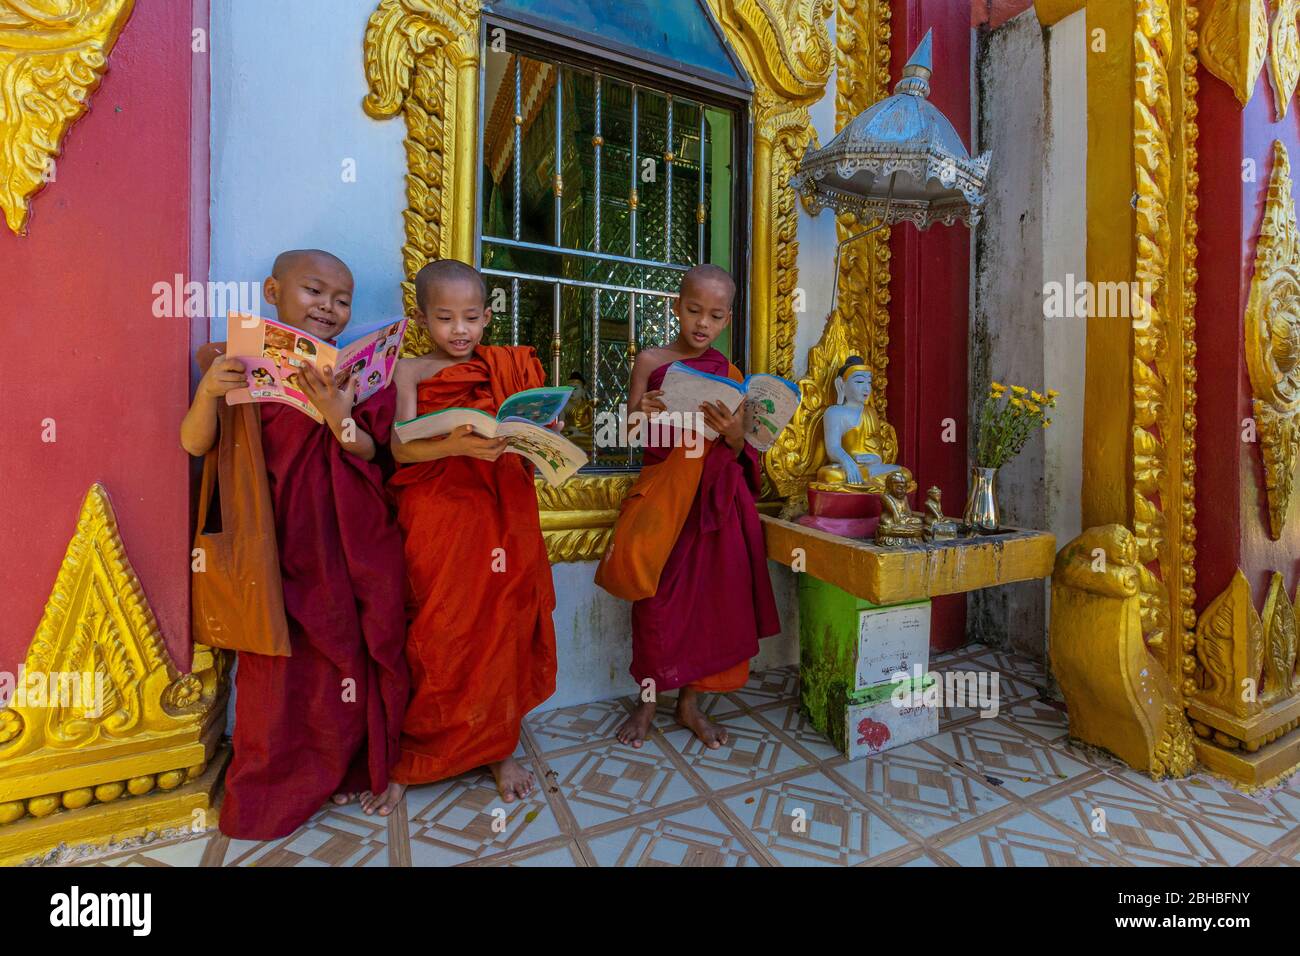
x: 633, y: 730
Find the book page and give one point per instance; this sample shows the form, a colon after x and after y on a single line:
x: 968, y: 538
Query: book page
x: 769, y: 405
x: 556, y: 458
x: 541, y: 406
x: 371, y: 359
x: 685, y: 390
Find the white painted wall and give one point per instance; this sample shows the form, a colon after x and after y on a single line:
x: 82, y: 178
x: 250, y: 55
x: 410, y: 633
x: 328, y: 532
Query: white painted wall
x: 287, y: 86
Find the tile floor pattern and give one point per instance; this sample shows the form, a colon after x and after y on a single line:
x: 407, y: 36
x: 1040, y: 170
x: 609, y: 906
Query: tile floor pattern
x: 1008, y: 790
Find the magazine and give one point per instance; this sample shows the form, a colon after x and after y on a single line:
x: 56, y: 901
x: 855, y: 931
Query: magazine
x: 274, y: 355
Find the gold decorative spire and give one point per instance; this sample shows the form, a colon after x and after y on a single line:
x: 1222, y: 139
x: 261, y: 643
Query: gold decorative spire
x: 1234, y: 42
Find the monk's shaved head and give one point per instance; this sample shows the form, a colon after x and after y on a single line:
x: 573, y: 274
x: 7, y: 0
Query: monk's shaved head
x: 445, y: 272
x: 700, y: 274
x: 291, y: 258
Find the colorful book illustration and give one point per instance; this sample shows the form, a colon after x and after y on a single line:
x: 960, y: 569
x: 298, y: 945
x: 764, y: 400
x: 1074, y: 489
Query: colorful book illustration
x: 769, y: 401
x: 522, y: 419
x: 274, y: 355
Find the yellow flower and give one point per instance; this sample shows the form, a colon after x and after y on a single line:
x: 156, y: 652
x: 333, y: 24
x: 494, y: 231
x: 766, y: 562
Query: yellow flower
x: 1052, y: 393
x: 1047, y: 423
x: 1033, y: 408
x: 1019, y: 389
x: 1017, y: 403
x: 996, y: 389
x: 1036, y: 397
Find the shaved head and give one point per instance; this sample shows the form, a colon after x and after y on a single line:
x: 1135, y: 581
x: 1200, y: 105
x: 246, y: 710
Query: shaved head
x: 700, y: 274
x: 445, y: 272
x: 294, y: 257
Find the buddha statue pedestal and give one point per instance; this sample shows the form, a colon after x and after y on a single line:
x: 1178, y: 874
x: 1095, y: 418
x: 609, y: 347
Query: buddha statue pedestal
x: 848, y: 513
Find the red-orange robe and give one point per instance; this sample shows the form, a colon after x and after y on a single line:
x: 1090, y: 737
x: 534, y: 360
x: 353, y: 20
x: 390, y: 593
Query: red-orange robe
x: 302, y: 733
x: 480, y: 642
x: 688, y: 552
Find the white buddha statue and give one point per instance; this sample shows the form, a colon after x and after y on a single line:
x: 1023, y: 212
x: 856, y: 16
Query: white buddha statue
x: 860, y: 447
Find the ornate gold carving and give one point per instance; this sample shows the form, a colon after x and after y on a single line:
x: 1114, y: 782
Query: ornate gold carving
x: 862, y: 36
x: 578, y: 516
x: 1229, y: 645
x: 1164, y: 396
x: 1273, y: 340
x: 421, y: 59
x: 1234, y: 43
x: 786, y: 49
x: 1119, y: 697
x: 101, y: 712
x: 860, y: 326
x: 52, y: 56
x: 1284, y: 58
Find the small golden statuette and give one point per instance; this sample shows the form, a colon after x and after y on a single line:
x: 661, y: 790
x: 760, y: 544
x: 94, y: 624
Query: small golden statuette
x: 898, y: 524
x: 937, y: 527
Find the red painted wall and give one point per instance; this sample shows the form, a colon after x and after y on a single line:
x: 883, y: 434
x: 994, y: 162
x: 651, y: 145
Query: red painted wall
x: 1232, y: 506
x: 82, y: 345
x: 930, y: 297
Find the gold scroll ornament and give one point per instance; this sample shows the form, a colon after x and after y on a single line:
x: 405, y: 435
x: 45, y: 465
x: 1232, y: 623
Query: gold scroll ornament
x: 52, y: 56
x: 1234, y: 42
x: 1272, y: 327
x: 117, y: 742
x: 1284, y: 54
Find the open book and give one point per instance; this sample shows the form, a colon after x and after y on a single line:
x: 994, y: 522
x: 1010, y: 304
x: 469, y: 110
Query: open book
x: 769, y: 402
x: 274, y: 355
x: 522, y: 419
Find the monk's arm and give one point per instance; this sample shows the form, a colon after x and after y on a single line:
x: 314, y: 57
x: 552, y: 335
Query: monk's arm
x: 646, y: 362
x: 352, y: 437
x: 199, y: 427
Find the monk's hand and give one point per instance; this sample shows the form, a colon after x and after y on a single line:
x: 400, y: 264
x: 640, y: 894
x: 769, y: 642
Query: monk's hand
x: 463, y: 441
x: 330, y: 400
x: 652, y: 402
x: 225, y: 374
x: 721, y: 420
x: 557, y: 425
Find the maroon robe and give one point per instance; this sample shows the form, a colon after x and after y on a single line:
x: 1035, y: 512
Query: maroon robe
x: 301, y: 733
x: 714, y: 599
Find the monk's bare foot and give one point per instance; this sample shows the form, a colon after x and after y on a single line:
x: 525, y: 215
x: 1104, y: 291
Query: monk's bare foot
x: 383, y: 803
x: 514, y: 780
x: 689, y: 715
x: 633, y: 730
x: 343, y: 799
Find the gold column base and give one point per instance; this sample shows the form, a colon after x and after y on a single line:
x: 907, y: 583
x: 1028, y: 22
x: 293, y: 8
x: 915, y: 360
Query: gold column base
x: 190, y: 806
x: 1251, y: 771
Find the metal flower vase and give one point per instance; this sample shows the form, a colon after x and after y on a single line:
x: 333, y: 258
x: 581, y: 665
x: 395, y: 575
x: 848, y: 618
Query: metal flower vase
x: 982, y: 504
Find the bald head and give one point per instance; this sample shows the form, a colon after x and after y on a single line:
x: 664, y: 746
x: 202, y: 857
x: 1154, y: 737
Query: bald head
x: 294, y: 258
x: 709, y: 274
x: 445, y: 272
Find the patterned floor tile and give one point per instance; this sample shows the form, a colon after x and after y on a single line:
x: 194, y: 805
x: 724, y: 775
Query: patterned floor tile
x: 769, y: 686
x: 1023, y: 840
x: 751, y: 753
x: 919, y: 789
x: 574, y: 726
x: 465, y: 819
x: 611, y: 781
x: 1138, y: 828
x: 1007, y: 756
x: 695, y: 837
x: 1270, y: 819
x: 812, y: 821
x: 1019, y: 666
x: 184, y: 852
x: 566, y: 854
x: 1039, y: 717
x: 336, y: 836
x: 795, y: 725
x: 962, y: 701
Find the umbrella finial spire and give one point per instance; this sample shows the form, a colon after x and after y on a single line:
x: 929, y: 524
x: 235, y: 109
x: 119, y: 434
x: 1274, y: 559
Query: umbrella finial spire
x: 916, y: 74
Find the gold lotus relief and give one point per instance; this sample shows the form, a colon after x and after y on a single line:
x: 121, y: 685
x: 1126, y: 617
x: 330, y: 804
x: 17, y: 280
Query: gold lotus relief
x: 1284, y: 59
x: 1272, y: 328
x: 1234, y: 42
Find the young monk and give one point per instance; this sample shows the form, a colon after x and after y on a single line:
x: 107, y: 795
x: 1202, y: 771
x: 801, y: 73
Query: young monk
x: 326, y: 719
x: 480, y: 641
x: 688, y: 547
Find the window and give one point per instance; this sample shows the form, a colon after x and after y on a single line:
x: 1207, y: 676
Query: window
x: 600, y: 187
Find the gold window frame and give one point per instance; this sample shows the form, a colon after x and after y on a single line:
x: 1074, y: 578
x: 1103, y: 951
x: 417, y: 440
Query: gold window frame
x: 422, y: 61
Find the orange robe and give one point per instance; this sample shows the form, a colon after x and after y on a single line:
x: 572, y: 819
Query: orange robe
x: 480, y: 642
